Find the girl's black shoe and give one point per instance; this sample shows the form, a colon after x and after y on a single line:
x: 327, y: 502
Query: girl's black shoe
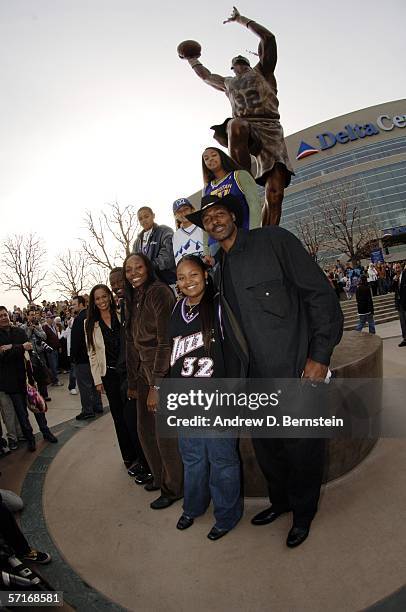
x: 144, y: 478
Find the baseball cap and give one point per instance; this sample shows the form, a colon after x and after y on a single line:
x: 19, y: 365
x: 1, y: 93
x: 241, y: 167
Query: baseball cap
x: 239, y: 59
x: 179, y: 203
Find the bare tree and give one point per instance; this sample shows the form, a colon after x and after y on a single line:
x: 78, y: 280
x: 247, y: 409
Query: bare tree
x: 98, y: 275
x: 111, y: 235
x: 23, y: 262
x: 71, y: 274
x: 310, y: 231
x: 349, y: 224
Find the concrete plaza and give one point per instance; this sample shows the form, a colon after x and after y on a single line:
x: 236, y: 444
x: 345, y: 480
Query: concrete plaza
x: 110, y: 547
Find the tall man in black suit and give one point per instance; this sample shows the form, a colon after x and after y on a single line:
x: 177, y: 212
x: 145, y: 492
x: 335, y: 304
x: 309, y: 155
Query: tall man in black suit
x: 399, y: 287
x: 291, y: 320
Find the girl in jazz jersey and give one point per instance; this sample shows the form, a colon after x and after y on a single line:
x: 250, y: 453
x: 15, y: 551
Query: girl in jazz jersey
x: 222, y: 176
x: 211, y: 465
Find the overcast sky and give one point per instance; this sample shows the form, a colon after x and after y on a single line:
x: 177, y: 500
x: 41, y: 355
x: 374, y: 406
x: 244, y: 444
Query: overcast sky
x: 96, y: 106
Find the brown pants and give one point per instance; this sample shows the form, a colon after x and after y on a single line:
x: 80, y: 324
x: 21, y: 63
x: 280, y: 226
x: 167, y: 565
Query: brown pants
x: 161, y: 453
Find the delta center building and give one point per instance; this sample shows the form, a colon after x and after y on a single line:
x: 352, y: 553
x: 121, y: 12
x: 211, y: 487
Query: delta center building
x: 365, y: 149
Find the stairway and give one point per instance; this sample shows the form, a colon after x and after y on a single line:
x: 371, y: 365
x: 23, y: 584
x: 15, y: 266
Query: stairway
x: 384, y: 310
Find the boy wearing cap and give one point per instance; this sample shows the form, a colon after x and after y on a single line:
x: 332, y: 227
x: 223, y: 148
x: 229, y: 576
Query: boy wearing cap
x: 188, y: 238
x: 254, y: 128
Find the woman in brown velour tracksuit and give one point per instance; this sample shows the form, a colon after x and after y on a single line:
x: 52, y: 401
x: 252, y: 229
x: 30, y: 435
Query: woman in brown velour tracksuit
x: 149, y: 305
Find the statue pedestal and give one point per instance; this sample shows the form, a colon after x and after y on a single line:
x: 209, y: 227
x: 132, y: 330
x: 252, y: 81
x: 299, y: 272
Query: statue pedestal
x: 359, y: 355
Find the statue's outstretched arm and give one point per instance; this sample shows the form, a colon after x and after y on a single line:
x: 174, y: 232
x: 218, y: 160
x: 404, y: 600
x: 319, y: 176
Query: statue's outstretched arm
x: 215, y: 80
x: 267, y: 47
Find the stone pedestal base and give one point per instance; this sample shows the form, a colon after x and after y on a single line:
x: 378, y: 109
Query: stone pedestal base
x: 359, y: 355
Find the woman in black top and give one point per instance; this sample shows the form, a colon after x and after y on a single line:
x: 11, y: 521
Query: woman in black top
x: 102, y: 328
x: 211, y: 465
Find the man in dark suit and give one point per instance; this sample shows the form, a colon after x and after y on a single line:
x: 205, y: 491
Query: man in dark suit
x: 52, y: 339
x: 399, y: 287
x: 291, y: 320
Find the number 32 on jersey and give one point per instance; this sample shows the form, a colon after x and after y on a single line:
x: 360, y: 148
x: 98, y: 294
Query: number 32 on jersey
x: 204, y: 367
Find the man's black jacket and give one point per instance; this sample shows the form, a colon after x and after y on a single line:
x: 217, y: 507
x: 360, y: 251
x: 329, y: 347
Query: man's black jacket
x: 400, y: 292
x: 365, y: 303
x: 288, y: 310
x: 12, y: 364
x: 78, y: 349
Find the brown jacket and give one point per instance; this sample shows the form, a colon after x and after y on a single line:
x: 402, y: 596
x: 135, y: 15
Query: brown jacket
x: 148, y: 346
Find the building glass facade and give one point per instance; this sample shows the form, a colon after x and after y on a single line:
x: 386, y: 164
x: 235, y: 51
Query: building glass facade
x: 381, y: 191
x: 372, y: 168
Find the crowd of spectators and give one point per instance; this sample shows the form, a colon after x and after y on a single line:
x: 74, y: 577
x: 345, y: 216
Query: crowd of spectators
x: 366, y: 282
x: 34, y: 348
x: 346, y: 277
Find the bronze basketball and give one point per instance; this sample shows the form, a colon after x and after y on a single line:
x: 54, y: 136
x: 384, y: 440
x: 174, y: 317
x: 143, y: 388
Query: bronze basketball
x: 189, y: 49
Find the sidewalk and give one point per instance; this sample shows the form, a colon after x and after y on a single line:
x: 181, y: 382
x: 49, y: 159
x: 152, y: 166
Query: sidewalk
x: 63, y: 406
x: 353, y: 534
x: 394, y: 357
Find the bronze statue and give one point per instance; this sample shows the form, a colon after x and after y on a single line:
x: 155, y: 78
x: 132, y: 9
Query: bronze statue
x: 255, y: 128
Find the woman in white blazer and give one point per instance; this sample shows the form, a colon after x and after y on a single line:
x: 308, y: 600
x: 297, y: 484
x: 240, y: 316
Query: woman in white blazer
x: 102, y: 331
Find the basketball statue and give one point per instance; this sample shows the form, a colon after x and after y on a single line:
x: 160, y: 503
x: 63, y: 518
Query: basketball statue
x: 254, y: 128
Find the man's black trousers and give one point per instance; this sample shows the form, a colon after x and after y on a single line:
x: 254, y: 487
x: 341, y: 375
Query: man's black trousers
x: 293, y: 468
x: 11, y: 532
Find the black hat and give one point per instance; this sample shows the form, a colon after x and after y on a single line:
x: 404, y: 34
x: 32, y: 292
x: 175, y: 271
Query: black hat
x: 232, y: 203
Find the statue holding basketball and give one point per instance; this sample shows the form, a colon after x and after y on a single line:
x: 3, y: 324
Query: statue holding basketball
x: 254, y: 128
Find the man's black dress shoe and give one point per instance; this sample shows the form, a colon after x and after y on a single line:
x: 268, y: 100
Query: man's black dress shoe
x: 143, y: 478
x: 162, y: 502
x: 403, y: 343
x: 32, y: 447
x: 184, y: 522
x: 83, y: 416
x: 296, y: 536
x: 267, y: 516
x: 216, y: 534
x: 49, y: 437
x: 151, y: 487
